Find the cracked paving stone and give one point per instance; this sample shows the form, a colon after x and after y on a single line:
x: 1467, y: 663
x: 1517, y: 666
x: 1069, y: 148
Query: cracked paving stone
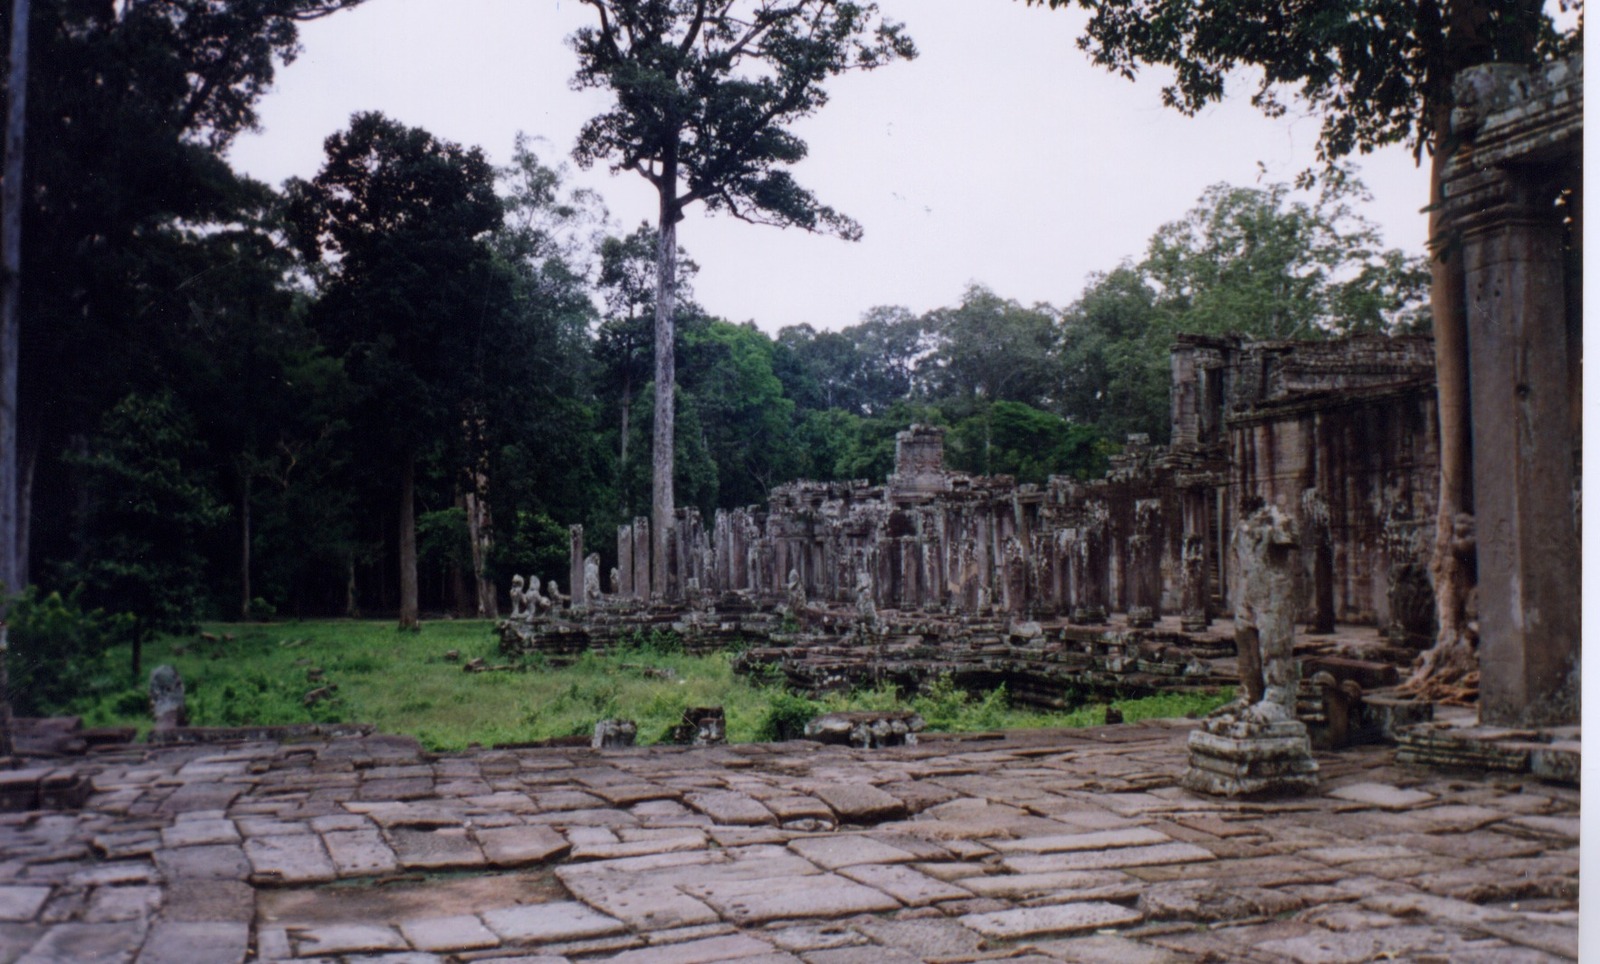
x: 187, y: 833
x: 1382, y: 795
x: 845, y: 850
x: 730, y: 807
x: 347, y: 939
x: 461, y: 932
x: 359, y: 853
x: 1108, y: 949
x: 290, y: 859
x: 1054, y: 919
x: 1172, y: 853
x: 904, y: 884
x: 135, y: 902
x: 516, y: 846
x: 728, y: 947
x: 197, y: 901
x: 186, y: 942
x: 448, y: 848
x: 761, y: 900
x: 860, y: 802
x: 550, y: 923
x: 1098, y: 840
x: 80, y: 943
x: 22, y: 903
x: 1079, y: 884
x: 209, y: 862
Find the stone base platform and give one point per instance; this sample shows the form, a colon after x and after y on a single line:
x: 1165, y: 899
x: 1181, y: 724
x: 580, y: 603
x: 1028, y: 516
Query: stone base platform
x: 1236, y: 758
x: 1458, y: 742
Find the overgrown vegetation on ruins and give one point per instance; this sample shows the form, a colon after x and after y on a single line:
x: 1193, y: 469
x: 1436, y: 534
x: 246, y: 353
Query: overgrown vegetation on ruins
x: 359, y: 671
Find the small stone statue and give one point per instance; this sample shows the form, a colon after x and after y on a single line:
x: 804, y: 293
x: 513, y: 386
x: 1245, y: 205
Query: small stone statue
x: 591, y: 578
x: 866, y: 605
x: 1256, y: 746
x: 795, y: 594
x: 167, y: 702
x: 1267, y: 543
x: 616, y: 581
x: 556, y: 598
x: 519, y: 607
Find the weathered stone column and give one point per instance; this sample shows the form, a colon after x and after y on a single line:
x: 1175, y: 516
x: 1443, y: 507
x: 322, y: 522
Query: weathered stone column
x: 575, y: 584
x: 624, y: 586
x: 1524, y: 126
x: 1144, y: 564
x: 641, y: 558
x: 1317, y: 539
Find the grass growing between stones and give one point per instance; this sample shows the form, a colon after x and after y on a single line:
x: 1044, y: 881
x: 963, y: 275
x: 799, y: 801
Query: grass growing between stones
x: 369, y: 672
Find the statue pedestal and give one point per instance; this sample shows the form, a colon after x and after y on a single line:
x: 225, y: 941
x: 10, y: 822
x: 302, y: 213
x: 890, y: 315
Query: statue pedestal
x: 1243, y: 758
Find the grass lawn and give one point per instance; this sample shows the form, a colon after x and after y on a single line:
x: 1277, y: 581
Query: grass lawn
x: 401, y: 682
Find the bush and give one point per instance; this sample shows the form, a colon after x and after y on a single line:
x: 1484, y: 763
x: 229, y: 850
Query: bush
x: 786, y: 716
x: 58, y: 651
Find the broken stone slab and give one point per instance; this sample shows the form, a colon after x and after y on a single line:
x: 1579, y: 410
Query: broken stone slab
x: 1057, y: 919
x: 460, y: 932
x: 761, y: 900
x: 518, y: 846
x: 183, y: 942
x: 1382, y: 795
x: 548, y: 923
x: 860, y: 803
x: 730, y: 807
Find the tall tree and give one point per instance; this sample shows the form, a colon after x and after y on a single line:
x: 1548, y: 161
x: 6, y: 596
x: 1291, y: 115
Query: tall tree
x: 396, y: 222
x: 130, y: 107
x: 706, y: 94
x: 1379, y: 72
x: 988, y: 349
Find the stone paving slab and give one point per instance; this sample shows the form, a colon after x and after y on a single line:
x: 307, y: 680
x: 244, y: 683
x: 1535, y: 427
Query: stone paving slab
x: 1040, y: 846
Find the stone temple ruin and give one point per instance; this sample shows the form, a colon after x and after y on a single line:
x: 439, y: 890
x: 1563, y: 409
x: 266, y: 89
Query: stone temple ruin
x: 1074, y: 587
x: 1127, y: 584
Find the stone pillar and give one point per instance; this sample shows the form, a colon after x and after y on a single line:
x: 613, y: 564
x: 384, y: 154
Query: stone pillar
x: 624, y: 586
x: 575, y: 570
x: 641, y: 558
x: 1317, y: 540
x: 1194, y: 600
x: 1144, y: 564
x: 1524, y: 126
x: 1528, y: 569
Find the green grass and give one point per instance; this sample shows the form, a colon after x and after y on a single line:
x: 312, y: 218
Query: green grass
x: 401, y: 682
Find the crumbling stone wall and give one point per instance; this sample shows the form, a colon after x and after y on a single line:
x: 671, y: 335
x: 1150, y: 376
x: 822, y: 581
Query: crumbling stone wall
x: 1351, y: 419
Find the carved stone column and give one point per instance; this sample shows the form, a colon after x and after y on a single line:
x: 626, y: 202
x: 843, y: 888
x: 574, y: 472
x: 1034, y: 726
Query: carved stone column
x: 1522, y: 127
x: 575, y: 570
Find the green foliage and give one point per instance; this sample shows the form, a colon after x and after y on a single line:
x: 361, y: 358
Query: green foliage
x: 706, y: 94
x: 58, y: 651
x: 1252, y: 261
x: 1011, y: 438
x: 989, y: 348
x: 148, y: 511
x: 786, y: 716
x: 1375, y: 70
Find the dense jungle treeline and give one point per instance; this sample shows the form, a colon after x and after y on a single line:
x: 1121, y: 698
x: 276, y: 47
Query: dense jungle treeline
x: 234, y: 396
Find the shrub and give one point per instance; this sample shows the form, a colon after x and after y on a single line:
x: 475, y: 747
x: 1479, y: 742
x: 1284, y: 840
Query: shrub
x: 58, y: 651
x: 786, y: 716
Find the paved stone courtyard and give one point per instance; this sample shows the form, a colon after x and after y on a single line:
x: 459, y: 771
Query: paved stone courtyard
x: 1032, y: 846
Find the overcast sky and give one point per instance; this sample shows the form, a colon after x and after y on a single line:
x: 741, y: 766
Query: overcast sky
x: 1000, y: 156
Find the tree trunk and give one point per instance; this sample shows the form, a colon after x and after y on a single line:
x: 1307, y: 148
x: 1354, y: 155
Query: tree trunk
x: 409, y: 617
x: 661, y: 454
x: 244, y: 545
x: 1447, y: 669
x: 29, y: 456
x: 481, y: 536
x: 11, y: 194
